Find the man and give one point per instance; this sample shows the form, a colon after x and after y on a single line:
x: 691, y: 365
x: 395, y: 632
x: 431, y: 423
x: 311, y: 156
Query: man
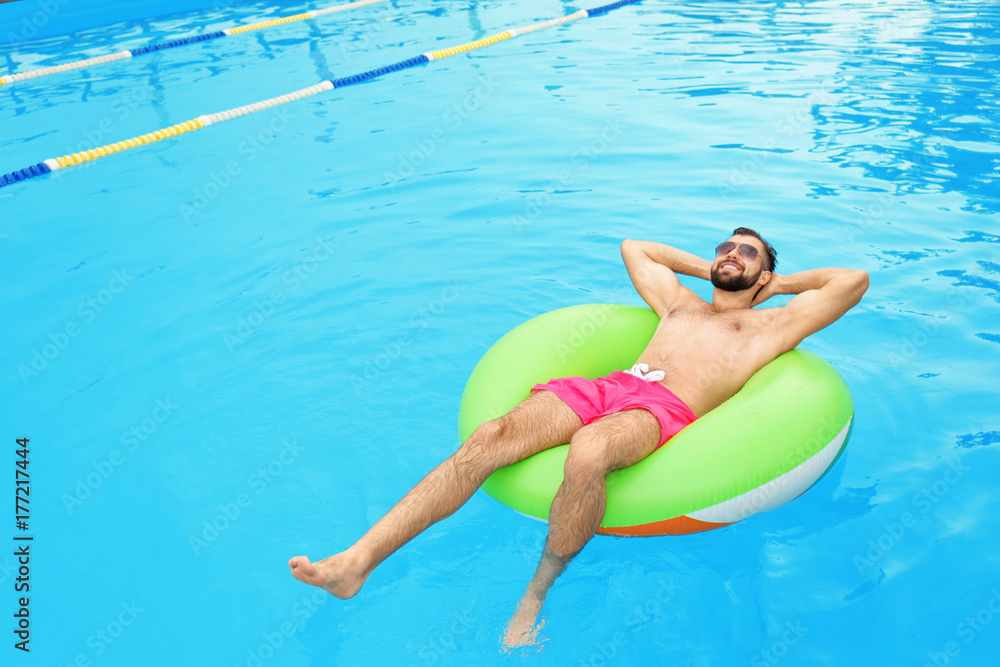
x: 701, y: 354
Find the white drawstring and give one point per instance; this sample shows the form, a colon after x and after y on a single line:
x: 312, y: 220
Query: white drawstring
x: 642, y: 372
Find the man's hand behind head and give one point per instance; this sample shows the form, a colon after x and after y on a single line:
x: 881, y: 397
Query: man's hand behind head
x: 772, y: 287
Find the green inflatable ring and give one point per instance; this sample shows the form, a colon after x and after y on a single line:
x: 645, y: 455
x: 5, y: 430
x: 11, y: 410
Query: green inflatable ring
x: 798, y: 408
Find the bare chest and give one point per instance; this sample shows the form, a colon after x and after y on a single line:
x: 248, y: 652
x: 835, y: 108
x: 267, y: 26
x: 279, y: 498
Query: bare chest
x: 685, y: 322
x: 692, y: 338
x: 708, y: 355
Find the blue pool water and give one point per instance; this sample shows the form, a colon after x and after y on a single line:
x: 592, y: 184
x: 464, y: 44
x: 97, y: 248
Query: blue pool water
x: 248, y: 342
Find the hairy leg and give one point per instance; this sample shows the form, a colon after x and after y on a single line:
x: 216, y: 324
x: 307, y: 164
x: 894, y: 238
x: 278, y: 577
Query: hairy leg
x: 608, y: 444
x: 539, y: 422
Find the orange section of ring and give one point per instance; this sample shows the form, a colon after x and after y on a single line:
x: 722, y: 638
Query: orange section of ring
x: 680, y: 525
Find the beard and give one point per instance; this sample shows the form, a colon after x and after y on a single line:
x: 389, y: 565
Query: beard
x: 731, y: 283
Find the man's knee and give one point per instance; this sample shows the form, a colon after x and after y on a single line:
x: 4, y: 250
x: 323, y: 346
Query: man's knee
x: 588, y: 456
x: 482, y: 452
x: 489, y: 433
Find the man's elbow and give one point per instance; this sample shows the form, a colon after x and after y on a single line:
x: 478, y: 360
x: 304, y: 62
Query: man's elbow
x: 859, y: 280
x: 630, y: 248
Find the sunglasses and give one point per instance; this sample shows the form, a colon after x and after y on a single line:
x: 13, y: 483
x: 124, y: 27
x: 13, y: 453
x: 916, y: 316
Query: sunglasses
x: 748, y: 252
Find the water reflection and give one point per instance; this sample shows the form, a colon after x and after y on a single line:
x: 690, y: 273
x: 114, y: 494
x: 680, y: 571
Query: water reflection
x: 916, y: 107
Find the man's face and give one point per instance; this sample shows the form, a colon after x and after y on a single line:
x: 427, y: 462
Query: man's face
x: 732, y: 272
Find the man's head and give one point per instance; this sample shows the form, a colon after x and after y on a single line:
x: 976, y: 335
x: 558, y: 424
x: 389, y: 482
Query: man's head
x: 743, y: 261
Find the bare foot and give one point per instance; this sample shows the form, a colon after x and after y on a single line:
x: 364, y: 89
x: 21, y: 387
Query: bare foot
x: 521, y: 630
x: 336, y: 574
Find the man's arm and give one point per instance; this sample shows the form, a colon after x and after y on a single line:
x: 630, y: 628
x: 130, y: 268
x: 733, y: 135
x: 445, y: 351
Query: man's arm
x: 823, y: 296
x: 653, y: 268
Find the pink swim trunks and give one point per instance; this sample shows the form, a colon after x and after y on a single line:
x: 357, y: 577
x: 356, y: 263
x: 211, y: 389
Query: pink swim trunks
x: 620, y: 391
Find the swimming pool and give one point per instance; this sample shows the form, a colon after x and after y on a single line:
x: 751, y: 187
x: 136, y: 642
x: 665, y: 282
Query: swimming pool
x: 220, y: 367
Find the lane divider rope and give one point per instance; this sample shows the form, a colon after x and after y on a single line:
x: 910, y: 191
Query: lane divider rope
x: 51, y: 164
x: 100, y: 60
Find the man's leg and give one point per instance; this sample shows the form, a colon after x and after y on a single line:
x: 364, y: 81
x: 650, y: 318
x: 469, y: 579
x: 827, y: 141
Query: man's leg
x: 539, y: 422
x: 610, y: 443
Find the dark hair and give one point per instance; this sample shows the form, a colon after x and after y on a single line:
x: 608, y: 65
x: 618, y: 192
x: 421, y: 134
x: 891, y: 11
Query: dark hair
x: 769, y: 252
